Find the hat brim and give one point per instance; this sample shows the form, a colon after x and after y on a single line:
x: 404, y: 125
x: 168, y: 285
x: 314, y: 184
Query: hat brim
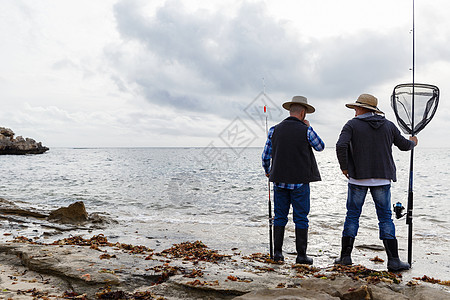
x: 353, y: 105
x: 309, y: 108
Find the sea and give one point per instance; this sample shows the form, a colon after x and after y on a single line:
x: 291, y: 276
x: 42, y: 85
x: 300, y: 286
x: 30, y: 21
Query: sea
x: 161, y: 196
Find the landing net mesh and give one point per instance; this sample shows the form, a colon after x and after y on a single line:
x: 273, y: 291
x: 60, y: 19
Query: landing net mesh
x: 426, y: 99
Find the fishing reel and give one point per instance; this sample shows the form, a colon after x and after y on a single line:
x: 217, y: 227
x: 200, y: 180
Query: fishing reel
x: 398, y: 209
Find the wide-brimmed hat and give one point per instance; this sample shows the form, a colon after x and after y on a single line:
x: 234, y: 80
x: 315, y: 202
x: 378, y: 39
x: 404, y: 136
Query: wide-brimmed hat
x: 299, y: 100
x: 366, y: 101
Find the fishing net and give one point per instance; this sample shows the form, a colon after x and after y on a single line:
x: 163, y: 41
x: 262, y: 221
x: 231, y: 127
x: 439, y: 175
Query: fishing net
x: 414, y: 111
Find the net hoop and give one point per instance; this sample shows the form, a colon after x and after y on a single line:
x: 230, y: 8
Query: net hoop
x: 403, y: 113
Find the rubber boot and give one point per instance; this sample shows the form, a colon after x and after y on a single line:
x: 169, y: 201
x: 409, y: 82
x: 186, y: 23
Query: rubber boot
x: 394, y: 263
x: 301, y: 243
x: 278, y: 237
x: 346, y: 251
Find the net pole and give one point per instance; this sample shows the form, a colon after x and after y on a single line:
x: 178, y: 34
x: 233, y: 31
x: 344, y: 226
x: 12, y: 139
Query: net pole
x: 409, y: 215
x: 410, y: 209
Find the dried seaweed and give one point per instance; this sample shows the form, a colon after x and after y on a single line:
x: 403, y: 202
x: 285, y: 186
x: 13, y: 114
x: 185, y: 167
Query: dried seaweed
x: 425, y: 278
x: 445, y: 282
x: 305, y: 269
x: 35, y: 293
x: 108, y: 294
x: 166, y: 271
x: 261, y: 257
x: 196, y: 251
x: 194, y: 273
x: 236, y: 278
x: 95, y: 242
x: 265, y: 269
x: 101, y: 241
x: 377, y: 259
x: 107, y: 256
x: 360, y: 272
x: 74, y: 295
x: 203, y: 283
x: 25, y: 240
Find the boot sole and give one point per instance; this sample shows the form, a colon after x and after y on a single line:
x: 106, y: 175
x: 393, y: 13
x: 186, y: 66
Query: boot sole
x: 304, y: 262
x: 397, y: 270
x: 347, y: 263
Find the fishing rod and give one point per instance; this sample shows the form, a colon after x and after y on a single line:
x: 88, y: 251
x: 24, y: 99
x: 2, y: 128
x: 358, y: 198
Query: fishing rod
x: 409, y: 209
x: 403, y: 101
x: 270, y: 202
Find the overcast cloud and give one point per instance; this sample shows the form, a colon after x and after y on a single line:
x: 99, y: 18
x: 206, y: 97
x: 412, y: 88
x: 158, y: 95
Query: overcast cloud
x: 177, y: 73
x: 192, y: 59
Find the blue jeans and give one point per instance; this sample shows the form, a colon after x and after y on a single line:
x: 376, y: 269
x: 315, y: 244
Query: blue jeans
x: 299, y: 198
x: 382, y: 197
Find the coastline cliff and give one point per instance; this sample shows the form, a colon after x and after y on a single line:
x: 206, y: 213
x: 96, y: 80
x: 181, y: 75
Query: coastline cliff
x: 18, y: 145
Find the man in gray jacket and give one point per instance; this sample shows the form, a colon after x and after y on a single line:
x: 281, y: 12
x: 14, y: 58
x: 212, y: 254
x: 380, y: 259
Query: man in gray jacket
x: 364, y: 152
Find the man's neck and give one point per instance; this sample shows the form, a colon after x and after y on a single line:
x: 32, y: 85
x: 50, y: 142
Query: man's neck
x: 365, y: 115
x: 297, y: 116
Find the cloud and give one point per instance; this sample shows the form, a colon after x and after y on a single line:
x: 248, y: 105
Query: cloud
x: 64, y: 64
x: 361, y: 62
x: 128, y: 126
x: 209, y: 61
x: 179, y: 70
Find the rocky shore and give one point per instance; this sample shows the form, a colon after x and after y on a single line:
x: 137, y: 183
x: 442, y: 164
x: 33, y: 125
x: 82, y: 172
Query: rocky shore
x: 18, y: 145
x: 85, y: 266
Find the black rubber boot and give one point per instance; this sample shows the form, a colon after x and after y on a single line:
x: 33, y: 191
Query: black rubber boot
x: 346, y: 251
x: 394, y: 263
x: 301, y: 243
x: 278, y: 237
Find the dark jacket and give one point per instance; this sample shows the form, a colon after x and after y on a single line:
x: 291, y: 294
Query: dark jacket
x: 293, y: 160
x: 364, y: 147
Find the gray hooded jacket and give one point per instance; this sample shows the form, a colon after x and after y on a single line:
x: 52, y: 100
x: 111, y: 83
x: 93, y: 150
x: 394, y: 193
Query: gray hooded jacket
x: 365, y: 144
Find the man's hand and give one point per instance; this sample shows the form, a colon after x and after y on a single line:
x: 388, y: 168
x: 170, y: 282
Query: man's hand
x: 414, y: 139
x: 306, y: 122
x: 345, y: 172
x: 267, y: 175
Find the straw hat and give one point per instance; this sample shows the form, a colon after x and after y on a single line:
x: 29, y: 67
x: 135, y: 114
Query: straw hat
x: 366, y: 101
x: 302, y: 101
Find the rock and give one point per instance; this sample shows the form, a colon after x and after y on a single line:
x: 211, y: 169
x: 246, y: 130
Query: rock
x: 100, y: 220
x: 89, y: 265
x: 26, y: 217
x: 16, y: 281
x: 370, y: 247
x: 425, y: 293
x: 286, y: 294
x: 6, y: 132
x: 127, y: 269
x: 19, y: 145
x: 77, y: 266
x: 75, y: 213
x: 9, y: 208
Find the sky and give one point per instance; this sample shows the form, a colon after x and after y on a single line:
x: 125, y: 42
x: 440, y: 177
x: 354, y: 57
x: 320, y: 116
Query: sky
x: 131, y: 73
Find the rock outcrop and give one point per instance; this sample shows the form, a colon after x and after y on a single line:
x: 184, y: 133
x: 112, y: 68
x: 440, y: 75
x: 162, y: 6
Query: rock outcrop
x: 75, y: 213
x: 18, y: 145
x: 193, y: 272
x: 82, y: 267
x: 71, y: 218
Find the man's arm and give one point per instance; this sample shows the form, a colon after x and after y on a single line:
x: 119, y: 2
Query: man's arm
x: 342, y: 147
x: 401, y: 142
x: 314, y: 140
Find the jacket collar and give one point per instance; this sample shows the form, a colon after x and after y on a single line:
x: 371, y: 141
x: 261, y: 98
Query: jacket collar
x: 294, y: 119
